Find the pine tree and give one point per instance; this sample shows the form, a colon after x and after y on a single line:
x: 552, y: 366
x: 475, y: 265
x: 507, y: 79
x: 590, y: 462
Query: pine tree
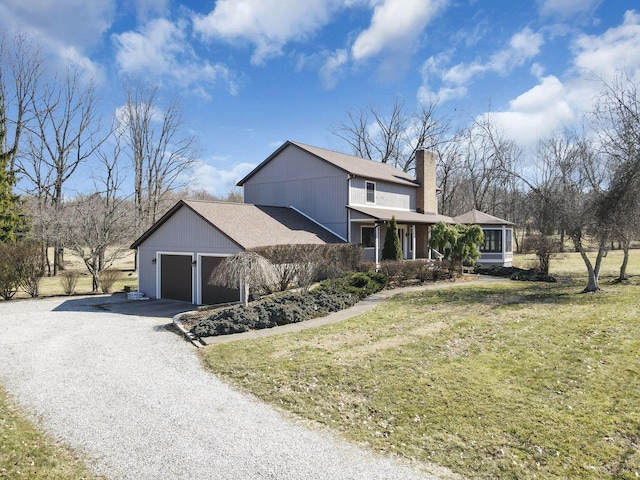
x: 392, y: 250
x: 12, y: 221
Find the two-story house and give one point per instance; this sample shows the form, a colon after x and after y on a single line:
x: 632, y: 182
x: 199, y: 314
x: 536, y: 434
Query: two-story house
x: 299, y: 194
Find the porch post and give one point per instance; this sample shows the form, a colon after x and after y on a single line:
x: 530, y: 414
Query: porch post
x: 413, y: 242
x: 377, y: 256
x: 428, y: 242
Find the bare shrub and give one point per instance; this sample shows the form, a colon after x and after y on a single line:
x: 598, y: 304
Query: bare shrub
x: 544, y: 248
x: 108, y: 278
x: 30, y: 267
x: 9, y: 272
x: 69, y: 281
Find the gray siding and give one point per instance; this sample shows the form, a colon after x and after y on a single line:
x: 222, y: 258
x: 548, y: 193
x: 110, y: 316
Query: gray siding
x: 184, y: 232
x: 298, y: 179
x: 388, y: 195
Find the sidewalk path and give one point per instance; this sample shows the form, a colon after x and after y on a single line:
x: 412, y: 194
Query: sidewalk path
x: 360, y: 307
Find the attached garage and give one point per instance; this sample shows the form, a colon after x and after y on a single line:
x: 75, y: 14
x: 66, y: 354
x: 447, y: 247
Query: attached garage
x: 178, y: 253
x: 176, y: 277
x: 213, y: 294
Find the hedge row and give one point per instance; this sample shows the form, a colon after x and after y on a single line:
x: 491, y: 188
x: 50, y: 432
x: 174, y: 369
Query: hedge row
x: 331, y: 296
x: 513, y: 273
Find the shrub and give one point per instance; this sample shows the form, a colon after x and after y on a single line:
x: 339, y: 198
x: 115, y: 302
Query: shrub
x: 399, y: 272
x: 514, y: 273
x: 392, y: 250
x: 331, y: 296
x: 20, y: 266
x: 69, y: 281
x: 108, y: 278
x: 30, y: 266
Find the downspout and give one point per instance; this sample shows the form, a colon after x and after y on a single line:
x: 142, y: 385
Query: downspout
x: 348, y: 210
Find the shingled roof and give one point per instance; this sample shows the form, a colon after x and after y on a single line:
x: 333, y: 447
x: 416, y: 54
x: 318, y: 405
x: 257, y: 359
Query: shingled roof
x: 357, y: 166
x: 252, y: 226
x: 476, y: 217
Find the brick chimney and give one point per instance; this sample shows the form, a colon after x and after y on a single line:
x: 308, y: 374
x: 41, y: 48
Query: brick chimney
x: 426, y: 200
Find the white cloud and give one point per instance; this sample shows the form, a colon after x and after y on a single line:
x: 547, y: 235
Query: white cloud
x: 566, y: 8
x: 161, y: 48
x: 536, y: 113
x: 332, y: 68
x: 64, y: 29
x: 615, y: 50
x: 218, y: 181
x: 396, y: 25
x: 266, y: 24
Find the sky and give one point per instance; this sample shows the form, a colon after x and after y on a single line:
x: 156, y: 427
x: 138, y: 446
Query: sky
x: 252, y: 74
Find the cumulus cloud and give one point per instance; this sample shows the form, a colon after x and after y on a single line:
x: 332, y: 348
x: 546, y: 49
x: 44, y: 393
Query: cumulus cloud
x: 617, y: 49
x: 161, y: 48
x: 266, y: 24
x: 396, y: 25
x: 454, y: 81
x: 64, y: 29
x: 218, y: 181
x: 536, y: 113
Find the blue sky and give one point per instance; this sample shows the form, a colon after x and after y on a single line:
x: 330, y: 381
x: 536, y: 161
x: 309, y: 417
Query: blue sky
x: 255, y: 73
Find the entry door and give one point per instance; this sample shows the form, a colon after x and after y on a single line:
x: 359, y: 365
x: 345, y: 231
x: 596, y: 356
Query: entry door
x: 402, y: 235
x: 214, y: 294
x: 176, y: 277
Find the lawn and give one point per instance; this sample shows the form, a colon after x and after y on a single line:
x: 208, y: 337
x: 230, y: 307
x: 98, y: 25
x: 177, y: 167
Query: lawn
x: 508, y: 380
x: 27, y: 453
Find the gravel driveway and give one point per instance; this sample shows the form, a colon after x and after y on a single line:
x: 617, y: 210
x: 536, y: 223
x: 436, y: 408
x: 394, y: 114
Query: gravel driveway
x: 133, y: 397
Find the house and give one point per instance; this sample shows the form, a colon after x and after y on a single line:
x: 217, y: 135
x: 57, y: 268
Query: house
x: 299, y: 194
x: 353, y: 197
x: 498, y: 237
x: 178, y: 253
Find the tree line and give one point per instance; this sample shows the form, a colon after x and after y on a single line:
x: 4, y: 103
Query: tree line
x: 580, y: 186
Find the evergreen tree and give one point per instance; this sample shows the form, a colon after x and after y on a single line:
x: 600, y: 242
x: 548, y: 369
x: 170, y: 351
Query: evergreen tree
x: 12, y: 222
x: 392, y: 249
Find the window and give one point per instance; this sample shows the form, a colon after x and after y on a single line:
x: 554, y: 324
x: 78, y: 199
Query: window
x: 371, y: 192
x: 492, y: 241
x: 368, y: 237
x: 508, y: 247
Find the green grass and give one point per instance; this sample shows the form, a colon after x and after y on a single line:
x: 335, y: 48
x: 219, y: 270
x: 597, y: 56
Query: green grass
x: 27, y: 453
x: 509, y: 380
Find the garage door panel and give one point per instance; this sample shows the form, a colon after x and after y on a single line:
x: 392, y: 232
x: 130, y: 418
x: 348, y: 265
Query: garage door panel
x: 214, y: 294
x: 176, y: 277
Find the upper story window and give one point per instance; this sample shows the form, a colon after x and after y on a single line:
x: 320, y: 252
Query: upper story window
x: 371, y: 192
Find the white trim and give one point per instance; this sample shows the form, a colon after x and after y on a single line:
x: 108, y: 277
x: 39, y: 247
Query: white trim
x: 382, y: 207
x: 199, y: 272
x: 159, y: 271
x: 318, y: 223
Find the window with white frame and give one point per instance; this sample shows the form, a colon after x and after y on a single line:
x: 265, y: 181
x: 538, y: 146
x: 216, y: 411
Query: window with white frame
x: 371, y: 192
x: 368, y: 237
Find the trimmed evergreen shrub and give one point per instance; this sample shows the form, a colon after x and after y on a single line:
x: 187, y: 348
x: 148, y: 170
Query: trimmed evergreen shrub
x: 331, y: 296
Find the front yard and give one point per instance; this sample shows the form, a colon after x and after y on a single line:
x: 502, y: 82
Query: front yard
x: 510, y: 380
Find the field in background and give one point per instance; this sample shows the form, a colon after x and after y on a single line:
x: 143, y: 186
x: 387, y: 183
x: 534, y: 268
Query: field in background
x: 51, y: 286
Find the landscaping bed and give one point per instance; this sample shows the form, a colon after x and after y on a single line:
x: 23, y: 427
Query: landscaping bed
x: 331, y: 296
x: 514, y: 273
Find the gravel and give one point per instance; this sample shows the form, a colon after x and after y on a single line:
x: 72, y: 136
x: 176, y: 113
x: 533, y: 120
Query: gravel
x: 132, y: 396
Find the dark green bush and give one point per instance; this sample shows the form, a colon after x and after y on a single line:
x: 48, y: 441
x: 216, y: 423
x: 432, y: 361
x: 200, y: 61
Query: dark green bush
x: 331, y: 296
x: 513, y: 273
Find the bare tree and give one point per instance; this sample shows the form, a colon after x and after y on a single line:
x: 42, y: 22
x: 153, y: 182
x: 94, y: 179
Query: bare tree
x: 20, y: 73
x: 66, y: 133
x: 392, y: 138
x: 567, y: 185
x: 244, y: 270
x: 617, y: 120
x: 100, y: 226
x: 160, y: 152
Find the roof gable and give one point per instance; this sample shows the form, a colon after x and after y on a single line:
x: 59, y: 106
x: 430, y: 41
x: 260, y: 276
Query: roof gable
x: 356, y: 166
x: 251, y: 226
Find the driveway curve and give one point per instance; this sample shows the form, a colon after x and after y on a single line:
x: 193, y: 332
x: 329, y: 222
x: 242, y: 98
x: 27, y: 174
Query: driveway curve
x: 132, y: 396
